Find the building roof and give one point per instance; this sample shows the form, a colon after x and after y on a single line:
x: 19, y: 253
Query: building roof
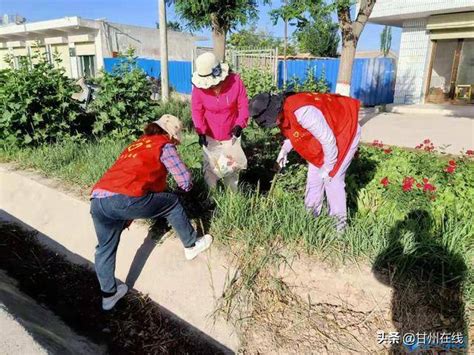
x: 395, y: 12
x: 375, y: 54
x: 62, y: 27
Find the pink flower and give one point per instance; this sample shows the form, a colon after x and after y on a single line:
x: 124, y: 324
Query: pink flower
x: 385, y: 181
x: 428, y: 187
x: 469, y: 152
x: 375, y: 143
x: 427, y: 141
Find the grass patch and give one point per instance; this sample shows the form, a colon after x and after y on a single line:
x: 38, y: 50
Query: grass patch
x: 417, y: 237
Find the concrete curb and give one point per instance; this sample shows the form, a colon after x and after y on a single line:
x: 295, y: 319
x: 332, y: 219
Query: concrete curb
x: 189, y: 289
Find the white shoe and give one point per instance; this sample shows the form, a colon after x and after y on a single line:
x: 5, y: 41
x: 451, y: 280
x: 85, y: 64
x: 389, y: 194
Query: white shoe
x: 109, y: 302
x: 201, y: 244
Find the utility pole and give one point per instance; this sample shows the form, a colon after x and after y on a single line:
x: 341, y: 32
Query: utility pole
x: 285, y: 71
x: 165, y: 89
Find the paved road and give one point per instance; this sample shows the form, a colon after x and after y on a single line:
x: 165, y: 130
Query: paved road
x: 410, y: 129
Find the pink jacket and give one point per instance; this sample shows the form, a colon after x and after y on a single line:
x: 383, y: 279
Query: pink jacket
x: 216, y: 115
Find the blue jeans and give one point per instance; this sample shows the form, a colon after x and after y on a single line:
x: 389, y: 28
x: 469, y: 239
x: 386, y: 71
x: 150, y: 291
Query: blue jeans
x: 110, y: 215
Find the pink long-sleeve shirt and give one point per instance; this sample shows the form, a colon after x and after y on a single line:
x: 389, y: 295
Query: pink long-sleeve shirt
x: 216, y: 114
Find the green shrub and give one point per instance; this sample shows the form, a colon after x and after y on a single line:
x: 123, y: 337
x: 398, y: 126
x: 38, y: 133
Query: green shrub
x: 36, y: 105
x: 257, y: 81
x: 123, y: 104
x: 310, y: 84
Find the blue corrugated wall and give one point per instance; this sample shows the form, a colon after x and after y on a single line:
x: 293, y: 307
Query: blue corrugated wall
x: 179, y: 72
x: 373, y: 80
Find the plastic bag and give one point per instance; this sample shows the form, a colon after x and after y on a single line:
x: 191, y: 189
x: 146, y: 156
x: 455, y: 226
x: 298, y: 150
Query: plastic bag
x: 225, y: 158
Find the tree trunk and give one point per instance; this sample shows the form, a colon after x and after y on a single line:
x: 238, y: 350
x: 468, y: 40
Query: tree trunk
x: 218, y: 38
x: 343, y: 86
x: 218, y: 41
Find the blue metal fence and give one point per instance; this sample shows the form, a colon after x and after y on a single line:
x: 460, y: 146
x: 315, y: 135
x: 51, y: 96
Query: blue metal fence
x: 179, y: 72
x: 372, y: 79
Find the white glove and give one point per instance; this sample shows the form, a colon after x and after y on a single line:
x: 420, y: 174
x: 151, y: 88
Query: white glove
x: 282, y: 158
x: 325, y: 175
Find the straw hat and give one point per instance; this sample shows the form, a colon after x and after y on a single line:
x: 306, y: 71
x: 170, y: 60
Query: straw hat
x: 171, y: 125
x: 209, y: 71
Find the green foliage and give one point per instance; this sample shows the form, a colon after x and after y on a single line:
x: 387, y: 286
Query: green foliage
x: 251, y: 38
x: 172, y: 26
x: 310, y: 84
x: 218, y: 14
x: 257, y: 81
x: 386, y: 40
x: 36, y: 105
x: 315, y: 32
x: 123, y: 105
x: 320, y: 38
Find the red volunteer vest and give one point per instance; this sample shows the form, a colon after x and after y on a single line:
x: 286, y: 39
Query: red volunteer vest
x: 341, y: 114
x: 138, y: 170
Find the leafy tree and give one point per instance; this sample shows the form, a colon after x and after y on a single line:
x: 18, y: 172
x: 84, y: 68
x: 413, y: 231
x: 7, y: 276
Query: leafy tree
x: 320, y: 38
x: 220, y: 15
x: 386, y: 40
x: 351, y: 29
x: 251, y: 37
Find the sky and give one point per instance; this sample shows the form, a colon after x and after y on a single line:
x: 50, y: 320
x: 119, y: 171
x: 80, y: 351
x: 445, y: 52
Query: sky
x: 145, y: 13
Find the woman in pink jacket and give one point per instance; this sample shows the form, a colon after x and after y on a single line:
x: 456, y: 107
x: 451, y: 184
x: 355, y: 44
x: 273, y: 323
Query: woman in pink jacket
x: 219, y: 111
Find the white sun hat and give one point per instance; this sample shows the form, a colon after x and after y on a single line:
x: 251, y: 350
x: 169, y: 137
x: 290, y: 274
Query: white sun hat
x: 209, y: 71
x: 171, y: 125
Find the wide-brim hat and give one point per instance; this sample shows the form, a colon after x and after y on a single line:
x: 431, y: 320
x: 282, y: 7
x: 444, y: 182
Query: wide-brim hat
x: 264, y: 108
x: 209, y: 71
x: 171, y: 125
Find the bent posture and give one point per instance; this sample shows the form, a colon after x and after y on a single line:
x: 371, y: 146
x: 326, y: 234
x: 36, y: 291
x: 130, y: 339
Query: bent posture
x: 134, y: 187
x: 324, y: 130
x: 219, y: 112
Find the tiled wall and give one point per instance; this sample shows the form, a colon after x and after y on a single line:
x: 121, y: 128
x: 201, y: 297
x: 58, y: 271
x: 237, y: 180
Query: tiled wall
x: 399, y: 7
x: 412, y: 62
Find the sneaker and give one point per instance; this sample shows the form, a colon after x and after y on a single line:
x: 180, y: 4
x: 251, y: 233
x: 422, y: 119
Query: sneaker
x: 109, y: 302
x: 201, y: 244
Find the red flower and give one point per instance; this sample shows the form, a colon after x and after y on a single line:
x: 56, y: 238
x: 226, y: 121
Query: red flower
x: 450, y: 169
x: 419, y: 185
x: 428, y: 187
x: 408, y: 183
x: 470, y: 152
x: 452, y: 163
x: 425, y: 180
x: 419, y: 146
x: 385, y: 181
x: 387, y: 151
x: 375, y: 143
x: 427, y: 141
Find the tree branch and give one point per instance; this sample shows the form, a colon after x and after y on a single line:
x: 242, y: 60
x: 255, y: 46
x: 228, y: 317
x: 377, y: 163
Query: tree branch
x: 366, y: 7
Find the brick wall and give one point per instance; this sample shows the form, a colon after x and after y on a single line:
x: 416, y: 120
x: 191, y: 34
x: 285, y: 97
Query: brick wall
x: 413, y: 62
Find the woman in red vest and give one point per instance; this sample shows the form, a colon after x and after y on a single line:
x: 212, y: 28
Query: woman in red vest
x: 134, y: 187
x: 324, y: 130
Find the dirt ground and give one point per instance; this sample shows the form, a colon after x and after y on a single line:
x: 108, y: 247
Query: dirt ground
x: 136, y: 326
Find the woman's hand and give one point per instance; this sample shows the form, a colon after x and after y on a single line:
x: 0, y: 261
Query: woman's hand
x: 237, y: 131
x: 202, y: 140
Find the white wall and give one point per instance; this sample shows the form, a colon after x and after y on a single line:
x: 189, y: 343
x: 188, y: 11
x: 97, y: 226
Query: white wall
x: 412, y: 63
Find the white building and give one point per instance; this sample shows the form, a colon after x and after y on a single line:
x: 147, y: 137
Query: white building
x: 436, y: 59
x: 83, y: 44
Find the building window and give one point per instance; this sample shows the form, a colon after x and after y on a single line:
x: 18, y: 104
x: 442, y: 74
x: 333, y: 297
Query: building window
x: 87, y: 65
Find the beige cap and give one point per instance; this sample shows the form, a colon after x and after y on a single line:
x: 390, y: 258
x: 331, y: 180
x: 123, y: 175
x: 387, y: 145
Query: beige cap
x: 171, y: 125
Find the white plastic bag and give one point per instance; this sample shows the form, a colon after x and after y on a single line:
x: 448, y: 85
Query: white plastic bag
x: 224, y: 158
